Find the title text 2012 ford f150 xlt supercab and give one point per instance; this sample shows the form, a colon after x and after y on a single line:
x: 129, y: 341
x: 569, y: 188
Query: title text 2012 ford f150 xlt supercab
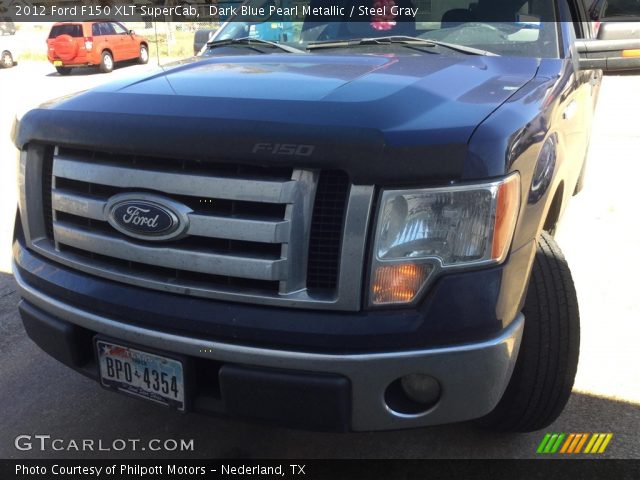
x: 324, y: 224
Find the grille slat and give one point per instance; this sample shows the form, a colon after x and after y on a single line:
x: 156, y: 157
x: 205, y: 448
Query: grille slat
x: 246, y: 189
x: 193, y: 261
x: 232, y: 228
x: 81, y: 205
x: 175, y: 280
x: 239, y: 228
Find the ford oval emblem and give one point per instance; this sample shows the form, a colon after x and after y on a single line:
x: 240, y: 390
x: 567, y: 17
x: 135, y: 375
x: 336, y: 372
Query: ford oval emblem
x: 147, y: 217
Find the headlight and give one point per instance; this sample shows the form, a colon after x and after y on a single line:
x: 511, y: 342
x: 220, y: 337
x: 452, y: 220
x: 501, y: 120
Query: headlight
x: 420, y: 232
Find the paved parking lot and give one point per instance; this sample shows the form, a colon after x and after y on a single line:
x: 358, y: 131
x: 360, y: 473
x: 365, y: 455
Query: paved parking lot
x: 601, y: 239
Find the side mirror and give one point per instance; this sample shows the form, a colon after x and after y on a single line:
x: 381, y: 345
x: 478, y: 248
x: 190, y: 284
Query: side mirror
x: 609, y: 55
x: 131, y: 32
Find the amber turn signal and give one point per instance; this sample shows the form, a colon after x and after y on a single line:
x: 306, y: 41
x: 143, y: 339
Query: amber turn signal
x: 507, y: 205
x: 398, y: 283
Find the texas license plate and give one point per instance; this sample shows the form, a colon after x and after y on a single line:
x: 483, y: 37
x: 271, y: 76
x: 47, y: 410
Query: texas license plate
x: 143, y: 374
x: 57, y: 63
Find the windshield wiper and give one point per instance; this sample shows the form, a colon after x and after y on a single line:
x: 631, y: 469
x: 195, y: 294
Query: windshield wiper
x: 399, y: 39
x: 251, y: 42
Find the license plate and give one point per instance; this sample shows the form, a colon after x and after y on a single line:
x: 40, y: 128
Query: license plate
x: 146, y: 375
x: 57, y: 63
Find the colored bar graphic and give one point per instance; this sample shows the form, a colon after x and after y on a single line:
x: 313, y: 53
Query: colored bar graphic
x: 543, y: 443
x: 592, y: 441
x: 604, y: 445
x: 599, y: 443
x: 567, y: 443
x: 573, y: 443
x: 550, y: 443
x: 583, y: 439
x: 556, y: 446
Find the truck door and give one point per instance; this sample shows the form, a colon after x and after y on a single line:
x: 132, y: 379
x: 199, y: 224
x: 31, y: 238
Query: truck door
x: 579, y: 98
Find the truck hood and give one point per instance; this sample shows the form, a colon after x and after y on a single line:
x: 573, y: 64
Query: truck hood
x: 375, y: 104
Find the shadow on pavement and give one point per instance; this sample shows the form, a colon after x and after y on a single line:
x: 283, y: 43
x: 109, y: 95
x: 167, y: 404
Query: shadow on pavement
x: 90, y: 71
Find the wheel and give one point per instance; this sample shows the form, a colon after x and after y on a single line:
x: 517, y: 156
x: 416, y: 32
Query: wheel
x: 6, y: 61
x: 546, y: 366
x: 63, y: 70
x: 106, y: 64
x: 144, y: 55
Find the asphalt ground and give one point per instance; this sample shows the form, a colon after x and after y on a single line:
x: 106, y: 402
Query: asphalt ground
x: 600, y: 236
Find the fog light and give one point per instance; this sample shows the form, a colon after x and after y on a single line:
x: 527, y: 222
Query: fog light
x: 421, y: 388
x: 412, y: 394
x: 398, y: 283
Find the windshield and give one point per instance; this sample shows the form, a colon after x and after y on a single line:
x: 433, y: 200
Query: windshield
x: 503, y: 27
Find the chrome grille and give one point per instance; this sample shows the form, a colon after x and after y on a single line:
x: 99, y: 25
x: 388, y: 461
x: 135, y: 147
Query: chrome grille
x: 249, y: 229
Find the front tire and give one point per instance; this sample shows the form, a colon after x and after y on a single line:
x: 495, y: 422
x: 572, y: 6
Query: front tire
x: 6, y: 61
x: 144, y: 55
x: 548, y: 359
x: 106, y: 64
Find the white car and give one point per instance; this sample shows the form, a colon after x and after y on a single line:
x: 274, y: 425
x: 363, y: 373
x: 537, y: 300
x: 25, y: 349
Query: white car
x: 9, y: 51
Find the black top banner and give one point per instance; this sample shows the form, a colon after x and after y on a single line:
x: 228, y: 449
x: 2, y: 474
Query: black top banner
x: 521, y: 11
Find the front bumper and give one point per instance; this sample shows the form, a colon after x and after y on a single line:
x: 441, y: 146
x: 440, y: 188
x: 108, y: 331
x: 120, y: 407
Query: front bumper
x: 472, y: 376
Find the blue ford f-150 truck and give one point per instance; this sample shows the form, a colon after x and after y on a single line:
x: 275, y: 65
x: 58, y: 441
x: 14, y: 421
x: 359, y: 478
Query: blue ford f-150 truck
x: 350, y: 228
